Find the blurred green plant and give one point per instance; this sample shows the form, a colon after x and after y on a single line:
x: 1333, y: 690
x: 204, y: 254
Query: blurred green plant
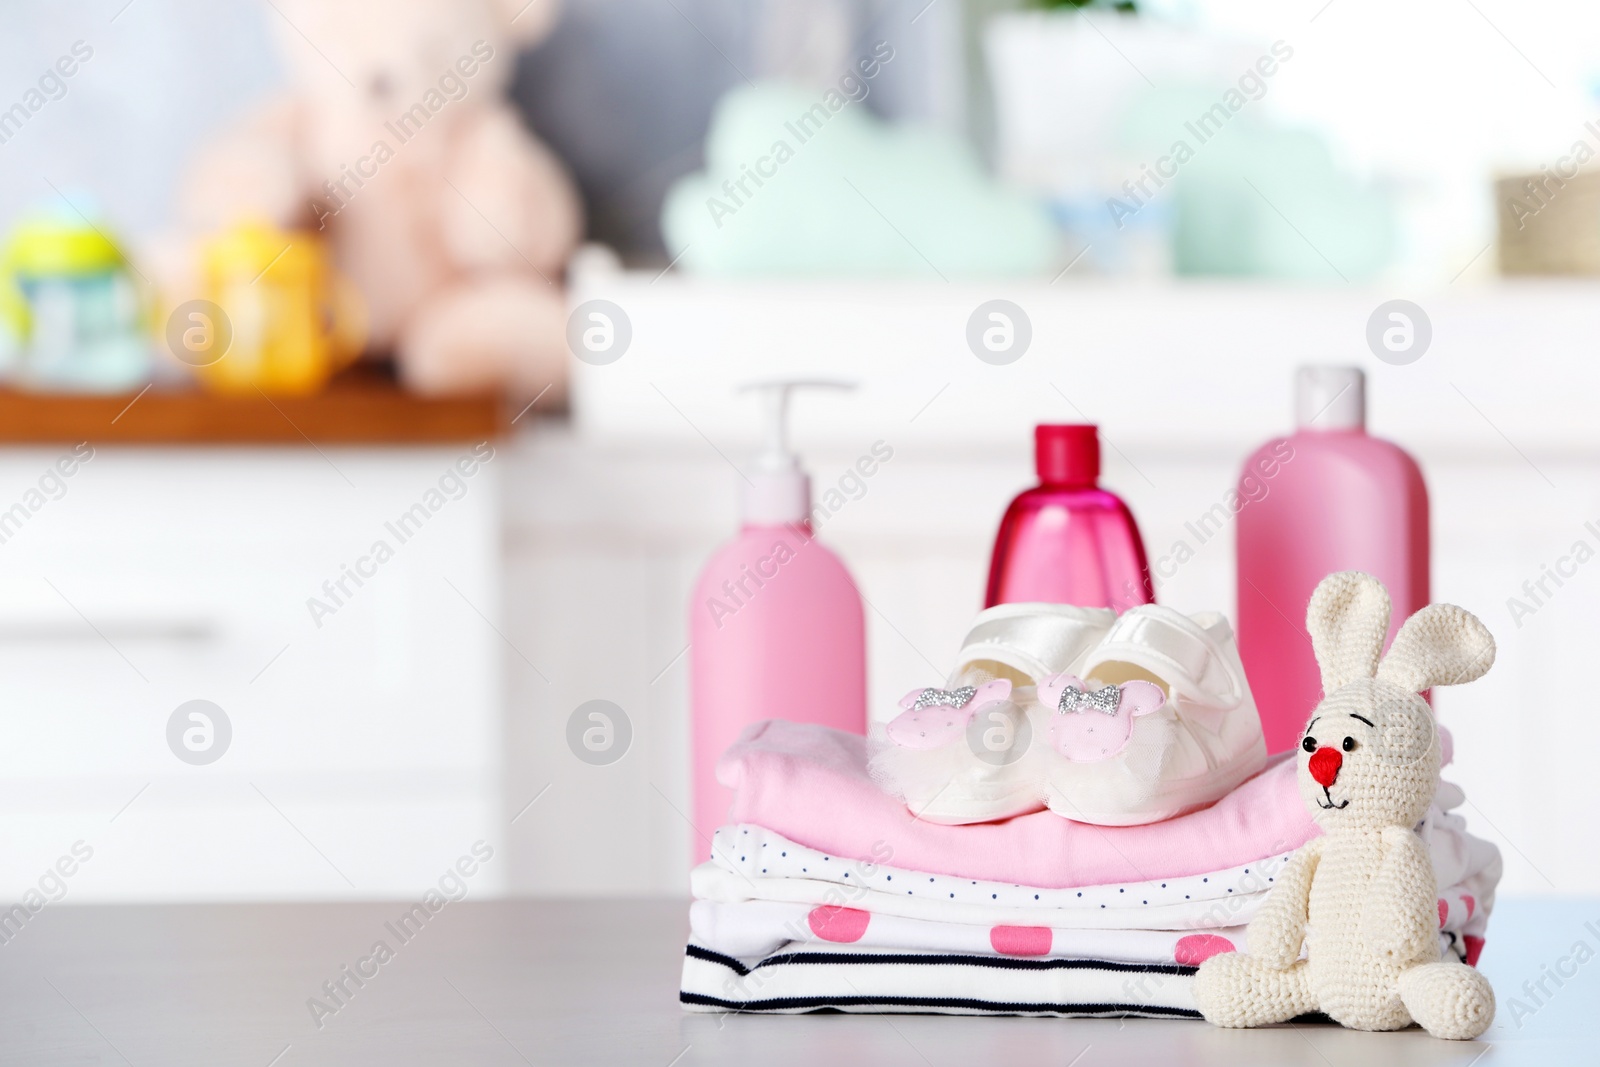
x: 1127, y: 7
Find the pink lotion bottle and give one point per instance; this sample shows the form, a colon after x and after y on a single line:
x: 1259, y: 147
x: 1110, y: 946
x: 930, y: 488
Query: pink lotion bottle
x: 1067, y: 541
x: 775, y: 626
x: 1326, y: 498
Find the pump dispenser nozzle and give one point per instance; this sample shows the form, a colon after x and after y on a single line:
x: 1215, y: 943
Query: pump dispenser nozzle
x: 778, y: 490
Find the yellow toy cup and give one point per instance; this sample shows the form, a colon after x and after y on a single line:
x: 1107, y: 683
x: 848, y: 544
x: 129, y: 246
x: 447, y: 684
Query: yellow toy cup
x: 276, y: 316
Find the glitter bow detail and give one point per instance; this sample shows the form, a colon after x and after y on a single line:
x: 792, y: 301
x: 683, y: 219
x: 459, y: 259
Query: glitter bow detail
x: 1074, y: 699
x: 935, y: 717
x: 947, y: 698
x: 1088, y: 738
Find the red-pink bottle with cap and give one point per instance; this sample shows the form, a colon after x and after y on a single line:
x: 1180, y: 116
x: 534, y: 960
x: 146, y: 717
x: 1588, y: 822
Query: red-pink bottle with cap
x: 1067, y: 541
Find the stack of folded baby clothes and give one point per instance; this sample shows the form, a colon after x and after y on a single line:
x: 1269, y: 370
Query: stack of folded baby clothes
x: 930, y: 868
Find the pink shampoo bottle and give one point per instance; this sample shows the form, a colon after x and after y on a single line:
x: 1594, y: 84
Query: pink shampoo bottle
x: 1067, y: 541
x: 1326, y: 498
x: 775, y: 626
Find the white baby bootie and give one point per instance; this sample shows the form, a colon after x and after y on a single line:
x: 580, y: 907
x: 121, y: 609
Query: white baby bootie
x: 960, y: 754
x: 1103, y: 719
x: 1165, y: 725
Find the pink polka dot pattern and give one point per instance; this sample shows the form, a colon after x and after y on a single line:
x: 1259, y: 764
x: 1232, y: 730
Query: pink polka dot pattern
x: 1020, y: 940
x: 1474, y: 948
x: 1471, y: 902
x: 1195, y: 949
x: 1444, y: 912
x: 833, y: 923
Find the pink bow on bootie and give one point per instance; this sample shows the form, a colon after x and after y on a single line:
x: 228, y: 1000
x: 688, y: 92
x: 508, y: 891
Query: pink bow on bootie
x: 935, y: 717
x: 1095, y: 724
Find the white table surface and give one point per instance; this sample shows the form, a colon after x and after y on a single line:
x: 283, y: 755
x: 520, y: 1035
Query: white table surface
x: 595, y: 982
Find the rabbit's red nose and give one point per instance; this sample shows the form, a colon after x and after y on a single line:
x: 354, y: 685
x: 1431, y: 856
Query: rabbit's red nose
x: 1324, y: 765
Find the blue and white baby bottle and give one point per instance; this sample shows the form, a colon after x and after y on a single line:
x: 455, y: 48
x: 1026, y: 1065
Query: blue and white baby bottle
x: 70, y: 307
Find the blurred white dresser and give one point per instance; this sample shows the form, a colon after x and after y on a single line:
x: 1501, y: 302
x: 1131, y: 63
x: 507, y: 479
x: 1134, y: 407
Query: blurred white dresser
x: 365, y: 752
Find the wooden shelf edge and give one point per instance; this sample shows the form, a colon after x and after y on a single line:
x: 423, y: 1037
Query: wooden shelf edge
x: 357, y: 414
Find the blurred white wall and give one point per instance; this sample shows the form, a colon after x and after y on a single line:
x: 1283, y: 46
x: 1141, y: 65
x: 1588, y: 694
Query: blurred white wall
x: 1430, y: 97
x: 162, y: 74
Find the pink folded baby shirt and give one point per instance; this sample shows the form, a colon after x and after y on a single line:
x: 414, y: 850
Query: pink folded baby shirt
x: 810, y: 784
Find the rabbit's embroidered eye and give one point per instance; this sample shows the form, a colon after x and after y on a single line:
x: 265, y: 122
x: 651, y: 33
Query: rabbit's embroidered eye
x: 1309, y: 744
x: 1349, y: 744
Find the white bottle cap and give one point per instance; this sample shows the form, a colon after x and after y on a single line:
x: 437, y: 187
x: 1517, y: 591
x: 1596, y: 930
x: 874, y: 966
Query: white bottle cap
x: 1330, y: 398
x: 778, y: 491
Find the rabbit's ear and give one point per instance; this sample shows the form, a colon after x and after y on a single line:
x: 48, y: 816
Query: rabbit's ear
x: 1348, y: 618
x: 1439, y: 645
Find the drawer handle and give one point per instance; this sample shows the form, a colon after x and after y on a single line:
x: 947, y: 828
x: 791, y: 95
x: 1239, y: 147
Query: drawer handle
x: 72, y: 631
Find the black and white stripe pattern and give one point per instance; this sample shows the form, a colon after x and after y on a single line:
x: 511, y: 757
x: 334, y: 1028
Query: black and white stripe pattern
x: 861, y: 980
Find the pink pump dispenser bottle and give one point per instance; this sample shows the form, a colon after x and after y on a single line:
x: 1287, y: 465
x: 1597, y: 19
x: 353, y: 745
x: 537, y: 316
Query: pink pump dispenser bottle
x: 1067, y: 541
x: 1326, y: 498
x: 775, y: 626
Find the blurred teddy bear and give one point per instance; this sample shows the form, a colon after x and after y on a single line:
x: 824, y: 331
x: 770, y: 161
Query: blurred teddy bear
x: 394, y: 139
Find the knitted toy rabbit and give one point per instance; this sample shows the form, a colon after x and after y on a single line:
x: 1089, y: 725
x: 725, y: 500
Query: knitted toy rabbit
x: 1361, y: 896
